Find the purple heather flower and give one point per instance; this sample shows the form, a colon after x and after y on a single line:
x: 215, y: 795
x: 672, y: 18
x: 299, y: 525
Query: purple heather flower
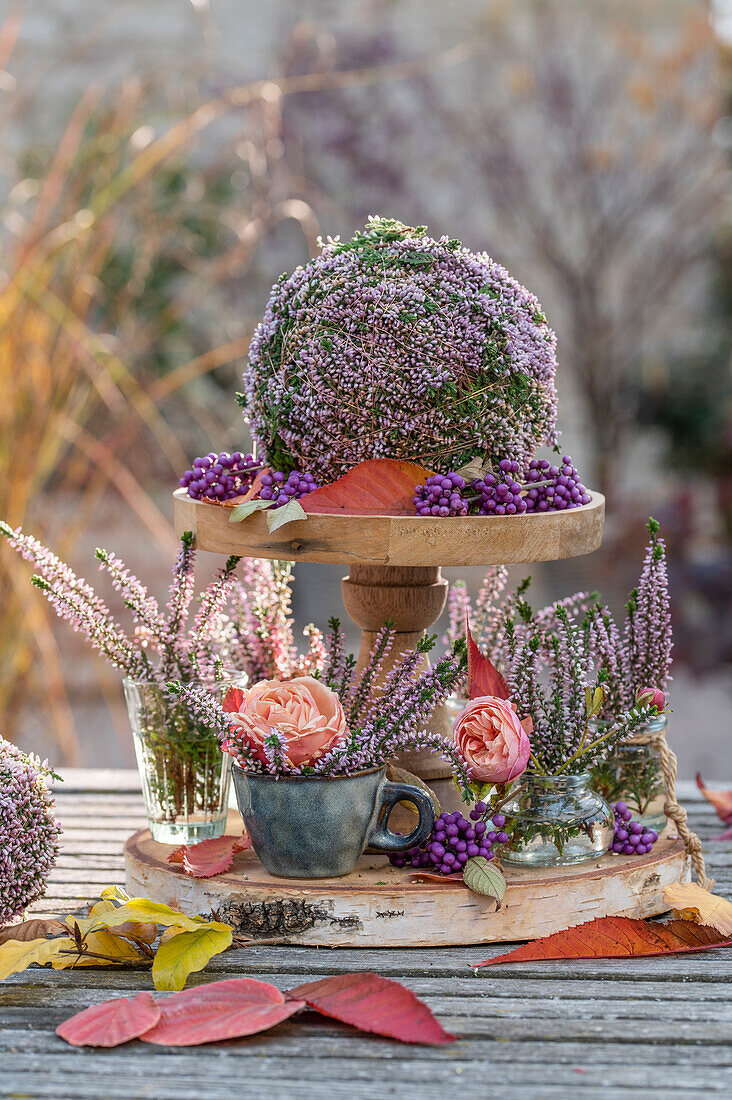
x: 396, y: 345
x: 28, y: 831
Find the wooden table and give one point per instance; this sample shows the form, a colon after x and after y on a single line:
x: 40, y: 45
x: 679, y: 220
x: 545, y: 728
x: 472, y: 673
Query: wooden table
x: 653, y: 1028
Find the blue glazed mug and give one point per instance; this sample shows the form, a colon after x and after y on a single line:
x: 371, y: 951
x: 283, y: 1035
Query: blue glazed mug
x: 318, y: 827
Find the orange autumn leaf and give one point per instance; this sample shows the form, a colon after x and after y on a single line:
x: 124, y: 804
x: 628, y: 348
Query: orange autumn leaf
x: 376, y: 487
x: 615, y: 937
x: 722, y: 802
x: 692, y: 902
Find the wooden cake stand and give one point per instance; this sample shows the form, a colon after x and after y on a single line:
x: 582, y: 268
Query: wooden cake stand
x: 381, y: 906
x: 394, y: 573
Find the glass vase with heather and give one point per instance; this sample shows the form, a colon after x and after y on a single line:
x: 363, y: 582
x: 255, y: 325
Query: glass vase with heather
x: 540, y: 796
x: 312, y: 754
x: 635, y: 665
x: 185, y: 778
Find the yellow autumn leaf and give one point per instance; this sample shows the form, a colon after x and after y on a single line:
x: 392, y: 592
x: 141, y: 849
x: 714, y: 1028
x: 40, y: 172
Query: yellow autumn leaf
x: 115, y: 893
x: 691, y: 902
x: 148, y: 912
x: 101, y: 943
x: 100, y: 916
x: 185, y: 952
x: 16, y: 955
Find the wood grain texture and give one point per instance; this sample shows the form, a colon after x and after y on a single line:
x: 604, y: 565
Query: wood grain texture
x: 396, y: 540
x: 379, y: 906
x: 600, y: 1029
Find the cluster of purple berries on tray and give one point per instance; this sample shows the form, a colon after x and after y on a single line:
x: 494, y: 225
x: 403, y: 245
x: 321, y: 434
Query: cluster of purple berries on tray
x: 631, y: 838
x: 500, y: 494
x: 441, y: 495
x: 220, y: 476
x: 454, y: 840
x: 503, y: 491
x: 282, y: 489
x: 558, y: 488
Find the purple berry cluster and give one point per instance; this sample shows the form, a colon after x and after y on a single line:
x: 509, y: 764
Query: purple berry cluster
x: 281, y: 489
x: 501, y: 494
x: 441, y: 495
x: 558, y: 488
x: 220, y: 476
x: 631, y: 838
x: 454, y: 840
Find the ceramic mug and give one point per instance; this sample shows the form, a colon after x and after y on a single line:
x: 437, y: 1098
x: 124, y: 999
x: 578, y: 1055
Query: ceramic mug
x: 318, y: 827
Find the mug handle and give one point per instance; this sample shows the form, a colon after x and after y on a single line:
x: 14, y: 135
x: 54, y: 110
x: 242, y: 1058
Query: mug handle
x: 381, y: 835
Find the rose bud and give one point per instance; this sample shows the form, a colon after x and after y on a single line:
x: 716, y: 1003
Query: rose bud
x: 651, y: 697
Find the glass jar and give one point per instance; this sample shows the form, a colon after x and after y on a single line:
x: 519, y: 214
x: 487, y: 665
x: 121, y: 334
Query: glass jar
x: 184, y: 774
x: 556, y: 820
x: 455, y: 705
x: 632, y: 773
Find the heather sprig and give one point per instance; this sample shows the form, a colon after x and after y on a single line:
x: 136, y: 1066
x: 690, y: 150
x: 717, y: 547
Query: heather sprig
x: 639, y: 655
x: 259, y: 628
x: 494, y: 607
x: 162, y: 643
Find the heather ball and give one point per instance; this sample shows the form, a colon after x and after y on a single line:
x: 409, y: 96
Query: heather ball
x: 28, y: 831
x: 394, y: 345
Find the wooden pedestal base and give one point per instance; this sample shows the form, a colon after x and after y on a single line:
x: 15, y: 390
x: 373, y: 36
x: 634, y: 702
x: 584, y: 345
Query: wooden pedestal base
x: 379, y: 906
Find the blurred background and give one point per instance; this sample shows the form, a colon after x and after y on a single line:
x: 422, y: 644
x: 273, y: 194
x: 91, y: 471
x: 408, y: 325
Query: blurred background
x: 162, y: 162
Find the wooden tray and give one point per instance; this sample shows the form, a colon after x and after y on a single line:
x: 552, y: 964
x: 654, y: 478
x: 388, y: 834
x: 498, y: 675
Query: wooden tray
x: 379, y: 906
x: 398, y: 540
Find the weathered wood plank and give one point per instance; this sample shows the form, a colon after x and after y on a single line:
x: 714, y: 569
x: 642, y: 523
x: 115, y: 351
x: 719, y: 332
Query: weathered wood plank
x: 593, y: 1030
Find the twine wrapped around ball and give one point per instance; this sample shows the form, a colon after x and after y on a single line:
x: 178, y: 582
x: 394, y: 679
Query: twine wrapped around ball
x: 28, y: 830
x: 394, y: 345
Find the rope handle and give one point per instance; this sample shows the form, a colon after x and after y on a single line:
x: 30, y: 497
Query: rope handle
x: 671, y: 807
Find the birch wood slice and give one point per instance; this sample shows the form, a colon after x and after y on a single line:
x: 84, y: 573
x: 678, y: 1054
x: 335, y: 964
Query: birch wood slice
x: 398, y: 540
x: 379, y: 906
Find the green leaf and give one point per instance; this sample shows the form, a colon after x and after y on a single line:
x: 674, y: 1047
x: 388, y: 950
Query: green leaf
x: 247, y: 508
x: 401, y: 775
x: 181, y: 953
x: 483, y: 877
x: 288, y: 513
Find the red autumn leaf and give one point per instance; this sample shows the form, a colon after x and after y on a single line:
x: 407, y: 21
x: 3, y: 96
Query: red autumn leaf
x: 722, y: 802
x: 220, y: 1010
x: 372, y: 1003
x: 376, y: 487
x: 615, y: 937
x: 209, y: 857
x: 112, y: 1022
x: 233, y: 700
x: 483, y: 676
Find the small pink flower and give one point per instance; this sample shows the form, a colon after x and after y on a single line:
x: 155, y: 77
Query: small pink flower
x: 307, y: 713
x: 492, y: 740
x: 651, y: 697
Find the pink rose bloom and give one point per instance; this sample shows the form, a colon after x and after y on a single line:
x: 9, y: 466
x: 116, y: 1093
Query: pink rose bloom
x: 651, y: 697
x: 307, y: 713
x: 491, y: 739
